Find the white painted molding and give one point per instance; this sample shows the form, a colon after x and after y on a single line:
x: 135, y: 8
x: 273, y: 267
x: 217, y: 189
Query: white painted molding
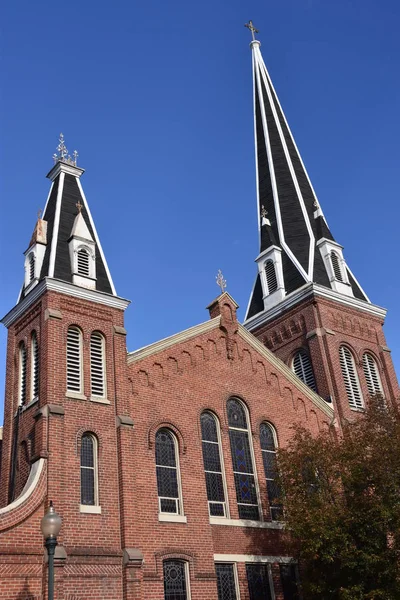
x: 62, y: 167
x: 253, y: 558
x: 75, y: 395
x: 171, y: 518
x: 33, y: 480
x: 88, y: 509
x: 246, y: 523
x: 54, y: 234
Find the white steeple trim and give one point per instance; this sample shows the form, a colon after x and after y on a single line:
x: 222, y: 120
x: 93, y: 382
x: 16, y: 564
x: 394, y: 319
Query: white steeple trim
x: 342, y: 284
x: 80, y: 229
x: 97, y: 240
x: 54, y: 240
x: 48, y: 198
x: 82, y: 248
x: 256, y: 157
x: 274, y: 254
x: 267, y: 81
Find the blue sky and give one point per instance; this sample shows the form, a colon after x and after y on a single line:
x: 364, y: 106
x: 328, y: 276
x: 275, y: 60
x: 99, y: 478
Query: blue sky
x: 157, y: 98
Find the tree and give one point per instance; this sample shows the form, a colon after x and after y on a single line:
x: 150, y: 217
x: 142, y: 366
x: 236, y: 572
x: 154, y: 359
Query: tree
x: 342, y: 506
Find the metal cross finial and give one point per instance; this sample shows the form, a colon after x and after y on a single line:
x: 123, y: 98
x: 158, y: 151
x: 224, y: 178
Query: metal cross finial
x: 75, y: 155
x: 61, y: 148
x: 221, y: 281
x: 79, y: 206
x: 263, y: 212
x: 62, y: 153
x: 251, y: 27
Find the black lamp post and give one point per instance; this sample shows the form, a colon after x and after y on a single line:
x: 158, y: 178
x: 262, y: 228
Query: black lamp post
x: 51, y: 525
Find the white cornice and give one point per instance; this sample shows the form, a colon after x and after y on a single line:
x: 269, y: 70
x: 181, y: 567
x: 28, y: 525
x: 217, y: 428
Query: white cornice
x: 286, y: 371
x: 68, y: 289
x: 182, y: 336
x: 62, y: 167
x: 310, y: 289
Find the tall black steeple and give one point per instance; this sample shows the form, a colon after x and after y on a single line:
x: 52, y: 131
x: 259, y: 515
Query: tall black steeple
x: 297, y: 249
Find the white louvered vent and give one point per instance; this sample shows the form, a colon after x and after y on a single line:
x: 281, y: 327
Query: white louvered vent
x: 302, y: 367
x: 350, y: 378
x: 31, y: 267
x: 270, y: 273
x: 336, y: 266
x: 35, y: 366
x: 97, y: 364
x: 74, y: 360
x: 372, y: 375
x: 22, y: 373
x: 83, y: 263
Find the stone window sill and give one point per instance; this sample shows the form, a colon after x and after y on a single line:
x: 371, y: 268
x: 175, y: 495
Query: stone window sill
x: 93, y: 510
x: 246, y: 523
x: 75, y: 396
x: 99, y: 400
x: 170, y: 518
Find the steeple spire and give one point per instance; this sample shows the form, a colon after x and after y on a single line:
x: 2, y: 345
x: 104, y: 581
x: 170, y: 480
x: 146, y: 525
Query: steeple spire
x: 293, y: 232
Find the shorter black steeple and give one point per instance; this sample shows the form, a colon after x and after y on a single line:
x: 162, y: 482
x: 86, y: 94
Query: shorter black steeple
x: 294, y: 237
x: 70, y: 250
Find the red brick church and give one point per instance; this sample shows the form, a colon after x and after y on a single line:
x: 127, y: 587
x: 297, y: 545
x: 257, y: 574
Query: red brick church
x: 161, y: 460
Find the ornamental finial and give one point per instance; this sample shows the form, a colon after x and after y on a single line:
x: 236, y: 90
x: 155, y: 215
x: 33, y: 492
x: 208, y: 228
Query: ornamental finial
x: 251, y: 27
x: 62, y: 153
x: 263, y: 212
x: 221, y: 282
x: 79, y: 206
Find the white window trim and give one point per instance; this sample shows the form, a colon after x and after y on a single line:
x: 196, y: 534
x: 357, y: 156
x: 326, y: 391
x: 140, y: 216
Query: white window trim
x: 73, y: 393
x: 252, y: 457
x: 34, y: 396
x: 178, y: 479
x: 274, y: 254
x: 91, y: 508
x: 22, y: 351
x: 94, y: 397
x: 235, y: 574
x: 75, y: 245
x: 247, y: 523
x: 172, y: 518
x: 326, y: 247
x: 221, y: 458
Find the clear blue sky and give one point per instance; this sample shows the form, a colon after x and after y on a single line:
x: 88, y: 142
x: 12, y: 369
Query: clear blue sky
x: 157, y: 98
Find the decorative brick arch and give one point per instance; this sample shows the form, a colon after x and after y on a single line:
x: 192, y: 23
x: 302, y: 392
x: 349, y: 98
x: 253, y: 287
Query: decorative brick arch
x: 151, y: 435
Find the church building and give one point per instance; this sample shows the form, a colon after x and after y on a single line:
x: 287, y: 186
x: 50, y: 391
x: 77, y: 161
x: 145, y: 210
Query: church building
x: 161, y: 460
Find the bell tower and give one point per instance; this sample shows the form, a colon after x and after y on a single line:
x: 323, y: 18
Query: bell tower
x: 306, y: 304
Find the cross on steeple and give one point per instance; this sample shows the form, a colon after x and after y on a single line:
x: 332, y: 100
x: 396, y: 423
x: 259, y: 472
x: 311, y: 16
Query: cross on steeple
x: 79, y: 206
x: 221, y: 282
x: 251, y: 27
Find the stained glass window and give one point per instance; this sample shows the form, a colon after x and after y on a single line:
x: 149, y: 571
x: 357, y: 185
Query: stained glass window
x: 258, y: 581
x: 243, y: 469
x: 225, y: 581
x: 212, y: 465
x: 89, y: 470
x: 268, y: 449
x: 289, y: 582
x: 167, y: 472
x: 175, y: 587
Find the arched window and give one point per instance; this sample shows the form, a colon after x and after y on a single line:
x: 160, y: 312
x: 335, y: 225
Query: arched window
x: 302, y: 367
x: 175, y: 579
x: 168, y: 480
x: 22, y: 374
x: 89, y: 470
x: 350, y: 378
x: 74, y: 360
x: 242, y: 459
x: 213, y: 465
x: 98, y: 365
x: 34, y: 366
x: 31, y: 267
x: 268, y: 450
x: 83, y: 262
x: 270, y: 274
x: 337, y: 270
x: 371, y: 373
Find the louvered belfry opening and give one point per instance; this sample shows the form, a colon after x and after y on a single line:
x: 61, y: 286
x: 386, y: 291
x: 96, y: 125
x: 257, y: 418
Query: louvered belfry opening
x: 35, y: 366
x: 22, y: 373
x: 336, y: 266
x: 302, y: 367
x: 31, y: 267
x: 371, y: 373
x: 97, y: 364
x: 74, y: 360
x: 270, y: 274
x: 83, y: 262
x: 350, y: 378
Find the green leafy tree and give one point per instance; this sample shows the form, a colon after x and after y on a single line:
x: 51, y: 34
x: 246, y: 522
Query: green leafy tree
x: 342, y: 507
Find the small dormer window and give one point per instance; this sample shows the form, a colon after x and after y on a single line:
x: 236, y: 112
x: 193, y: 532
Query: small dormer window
x: 336, y: 266
x: 270, y: 274
x: 83, y: 262
x: 31, y: 267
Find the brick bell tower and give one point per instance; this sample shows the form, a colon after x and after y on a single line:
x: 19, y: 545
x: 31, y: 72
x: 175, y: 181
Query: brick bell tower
x: 306, y: 305
x: 66, y: 368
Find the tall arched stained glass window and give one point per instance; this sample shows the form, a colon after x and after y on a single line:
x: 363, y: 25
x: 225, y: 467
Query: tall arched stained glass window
x: 168, y: 483
x: 175, y: 573
x: 213, y: 465
x: 245, y: 484
x: 268, y: 450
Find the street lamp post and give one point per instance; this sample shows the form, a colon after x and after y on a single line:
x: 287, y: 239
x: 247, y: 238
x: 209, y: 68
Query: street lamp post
x: 51, y: 525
